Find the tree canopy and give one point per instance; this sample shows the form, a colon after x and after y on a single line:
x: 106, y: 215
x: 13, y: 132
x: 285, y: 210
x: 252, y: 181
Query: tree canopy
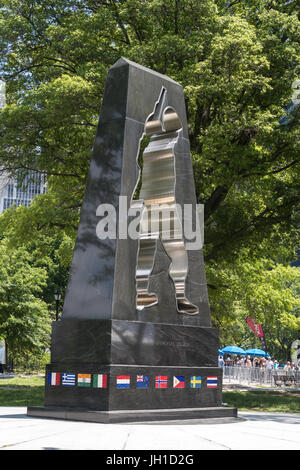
x: 237, y: 62
x: 24, y: 317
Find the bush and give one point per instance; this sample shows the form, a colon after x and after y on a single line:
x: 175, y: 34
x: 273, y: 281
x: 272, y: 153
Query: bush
x: 31, y: 363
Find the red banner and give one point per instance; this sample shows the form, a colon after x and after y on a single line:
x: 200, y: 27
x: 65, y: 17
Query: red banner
x: 257, y: 329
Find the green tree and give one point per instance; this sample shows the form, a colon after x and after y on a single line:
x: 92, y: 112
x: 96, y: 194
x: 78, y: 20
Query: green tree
x: 48, y: 249
x: 24, y: 316
x: 266, y: 291
x: 237, y: 62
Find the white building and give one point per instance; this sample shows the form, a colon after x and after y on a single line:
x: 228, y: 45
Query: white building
x: 19, y: 193
x: 14, y: 189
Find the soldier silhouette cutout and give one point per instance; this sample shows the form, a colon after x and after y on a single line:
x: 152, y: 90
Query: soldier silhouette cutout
x: 158, y: 207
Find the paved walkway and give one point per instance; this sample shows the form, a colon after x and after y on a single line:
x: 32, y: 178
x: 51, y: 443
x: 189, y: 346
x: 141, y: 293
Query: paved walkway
x: 259, y: 431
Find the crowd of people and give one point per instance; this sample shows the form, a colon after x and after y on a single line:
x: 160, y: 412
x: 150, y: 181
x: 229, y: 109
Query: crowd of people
x: 261, y: 362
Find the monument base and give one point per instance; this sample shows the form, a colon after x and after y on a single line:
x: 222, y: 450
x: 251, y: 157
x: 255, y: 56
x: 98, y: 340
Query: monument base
x: 132, y: 387
x: 205, y: 415
x: 116, y: 371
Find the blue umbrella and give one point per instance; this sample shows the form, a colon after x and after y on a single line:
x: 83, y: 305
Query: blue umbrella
x: 256, y: 352
x: 233, y: 350
x: 220, y: 352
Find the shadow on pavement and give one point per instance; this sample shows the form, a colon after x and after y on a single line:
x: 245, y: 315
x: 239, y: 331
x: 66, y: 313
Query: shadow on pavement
x: 278, y: 418
x: 16, y: 416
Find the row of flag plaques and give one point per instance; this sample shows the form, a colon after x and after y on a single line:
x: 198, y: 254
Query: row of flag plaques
x: 124, y: 381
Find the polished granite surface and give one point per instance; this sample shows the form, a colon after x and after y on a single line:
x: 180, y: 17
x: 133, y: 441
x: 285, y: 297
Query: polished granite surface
x: 102, y: 277
x: 124, y: 342
x: 101, y: 331
x: 134, y: 398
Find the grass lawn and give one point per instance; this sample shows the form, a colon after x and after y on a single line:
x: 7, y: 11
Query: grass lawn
x: 29, y: 391
x: 22, y: 391
x: 262, y: 400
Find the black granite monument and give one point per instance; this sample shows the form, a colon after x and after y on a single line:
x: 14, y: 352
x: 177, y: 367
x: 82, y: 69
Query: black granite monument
x: 135, y: 341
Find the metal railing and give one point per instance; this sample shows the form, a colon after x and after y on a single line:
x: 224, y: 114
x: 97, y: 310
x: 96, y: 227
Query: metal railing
x: 256, y: 375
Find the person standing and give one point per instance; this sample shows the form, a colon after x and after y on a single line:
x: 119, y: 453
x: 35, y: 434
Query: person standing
x: 288, y: 368
x: 248, y: 362
x: 269, y: 368
x: 292, y: 370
